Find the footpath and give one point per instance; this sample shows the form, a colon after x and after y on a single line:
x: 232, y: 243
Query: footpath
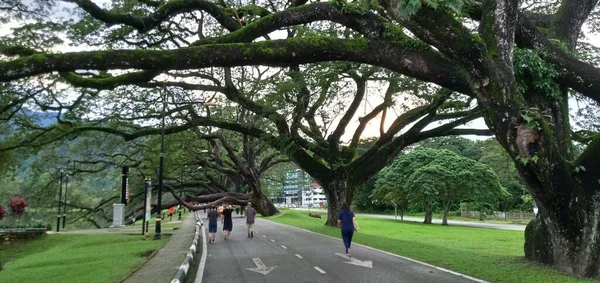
x: 436, y: 221
x: 163, y: 266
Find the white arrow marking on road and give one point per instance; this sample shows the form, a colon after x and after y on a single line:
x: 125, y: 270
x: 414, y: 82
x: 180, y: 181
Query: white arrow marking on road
x: 261, y: 267
x: 354, y: 261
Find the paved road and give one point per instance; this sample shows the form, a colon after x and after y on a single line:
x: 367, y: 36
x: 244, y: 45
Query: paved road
x: 439, y: 221
x: 287, y: 254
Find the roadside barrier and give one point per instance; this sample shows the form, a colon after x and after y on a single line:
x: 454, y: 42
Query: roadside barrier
x: 184, y: 268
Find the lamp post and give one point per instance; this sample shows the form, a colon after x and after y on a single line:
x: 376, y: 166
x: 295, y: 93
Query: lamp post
x: 157, y: 230
x: 59, y: 199
x: 180, y: 192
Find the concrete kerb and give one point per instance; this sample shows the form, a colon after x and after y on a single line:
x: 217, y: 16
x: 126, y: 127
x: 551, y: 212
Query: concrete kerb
x: 392, y: 254
x: 182, y: 273
x: 201, y: 265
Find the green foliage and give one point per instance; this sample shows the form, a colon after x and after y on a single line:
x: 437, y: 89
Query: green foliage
x: 533, y: 73
x: 429, y: 174
x: 411, y: 7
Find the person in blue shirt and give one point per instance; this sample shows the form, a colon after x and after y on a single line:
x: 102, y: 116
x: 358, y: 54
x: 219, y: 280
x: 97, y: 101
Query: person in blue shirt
x: 347, y: 222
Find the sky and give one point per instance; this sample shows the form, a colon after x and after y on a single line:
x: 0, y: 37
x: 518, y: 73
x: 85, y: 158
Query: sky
x: 373, y: 97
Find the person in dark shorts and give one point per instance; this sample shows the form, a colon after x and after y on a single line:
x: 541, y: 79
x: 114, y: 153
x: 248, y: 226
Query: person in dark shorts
x: 250, y: 218
x: 226, y: 220
x: 213, y: 215
x: 347, y: 222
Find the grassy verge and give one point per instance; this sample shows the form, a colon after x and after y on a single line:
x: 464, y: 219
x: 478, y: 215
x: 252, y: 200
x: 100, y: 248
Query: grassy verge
x: 75, y: 258
x: 490, y: 254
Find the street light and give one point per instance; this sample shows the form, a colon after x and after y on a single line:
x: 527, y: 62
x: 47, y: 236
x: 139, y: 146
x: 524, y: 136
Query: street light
x: 59, y: 199
x: 157, y: 228
x: 180, y: 192
x: 157, y: 231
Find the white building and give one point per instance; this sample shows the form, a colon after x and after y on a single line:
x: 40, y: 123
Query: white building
x: 314, y: 196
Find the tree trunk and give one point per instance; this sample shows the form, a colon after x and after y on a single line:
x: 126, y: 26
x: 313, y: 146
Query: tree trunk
x: 428, y: 212
x: 337, y: 194
x: 260, y: 201
x: 565, y: 232
x: 446, y: 208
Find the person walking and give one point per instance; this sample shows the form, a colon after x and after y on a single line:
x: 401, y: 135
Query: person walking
x: 171, y: 212
x: 226, y: 221
x: 213, y: 215
x: 347, y: 223
x: 250, y: 218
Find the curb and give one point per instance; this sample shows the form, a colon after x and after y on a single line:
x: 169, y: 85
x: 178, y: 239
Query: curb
x: 474, y: 279
x: 200, y: 272
x: 182, y: 273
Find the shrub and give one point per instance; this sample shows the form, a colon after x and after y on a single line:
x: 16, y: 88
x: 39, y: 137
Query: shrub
x: 17, y: 207
x: 2, y: 212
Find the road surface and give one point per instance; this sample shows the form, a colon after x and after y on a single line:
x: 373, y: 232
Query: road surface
x: 280, y: 253
x: 437, y: 221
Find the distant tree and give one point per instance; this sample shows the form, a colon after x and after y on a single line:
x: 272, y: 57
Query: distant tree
x: 428, y: 175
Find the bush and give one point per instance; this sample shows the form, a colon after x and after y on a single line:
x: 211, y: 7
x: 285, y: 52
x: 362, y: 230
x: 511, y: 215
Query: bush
x: 2, y: 212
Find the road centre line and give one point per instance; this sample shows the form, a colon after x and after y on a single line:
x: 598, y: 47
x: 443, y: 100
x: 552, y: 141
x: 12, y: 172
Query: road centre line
x: 320, y: 270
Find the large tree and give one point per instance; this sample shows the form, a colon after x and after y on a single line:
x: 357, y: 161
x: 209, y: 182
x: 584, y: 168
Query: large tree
x: 519, y: 65
x: 427, y: 175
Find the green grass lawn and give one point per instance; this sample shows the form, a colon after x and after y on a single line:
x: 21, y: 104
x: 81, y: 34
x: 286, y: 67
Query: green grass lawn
x: 490, y: 254
x: 75, y: 258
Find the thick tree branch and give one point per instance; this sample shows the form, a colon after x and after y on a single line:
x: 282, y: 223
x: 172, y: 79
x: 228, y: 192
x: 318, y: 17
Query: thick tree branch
x: 164, y: 12
x: 361, y: 89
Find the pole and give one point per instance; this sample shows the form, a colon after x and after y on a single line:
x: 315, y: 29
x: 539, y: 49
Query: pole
x: 59, y: 198
x: 64, y: 216
x: 180, y: 192
x: 124, y: 180
x: 145, y: 204
x: 157, y: 231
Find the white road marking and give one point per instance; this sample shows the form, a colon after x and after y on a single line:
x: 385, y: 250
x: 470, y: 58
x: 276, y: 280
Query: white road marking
x: 388, y: 253
x: 261, y: 267
x: 264, y: 236
x: 319, y: 270
x: 272, y: 240
x: 284, y: 247
x: 355, y: 261
x: 298, y: 256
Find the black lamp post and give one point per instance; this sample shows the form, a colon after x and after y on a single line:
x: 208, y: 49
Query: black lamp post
x: 59, y: 199
x: 157, y: 231
x: 180, y: 192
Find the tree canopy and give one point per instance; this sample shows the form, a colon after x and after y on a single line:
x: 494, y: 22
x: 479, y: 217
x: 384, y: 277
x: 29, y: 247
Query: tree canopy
x: 518, y: 65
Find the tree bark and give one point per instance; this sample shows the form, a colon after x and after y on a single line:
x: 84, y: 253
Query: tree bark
x: 337, y: 192
x: 446, y: 208
x: 428, y: 212
x: 263, y: 204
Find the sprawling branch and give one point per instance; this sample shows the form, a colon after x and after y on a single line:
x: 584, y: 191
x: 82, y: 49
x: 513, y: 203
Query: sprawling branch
x: 164, y: 12
x: 361, y: 88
